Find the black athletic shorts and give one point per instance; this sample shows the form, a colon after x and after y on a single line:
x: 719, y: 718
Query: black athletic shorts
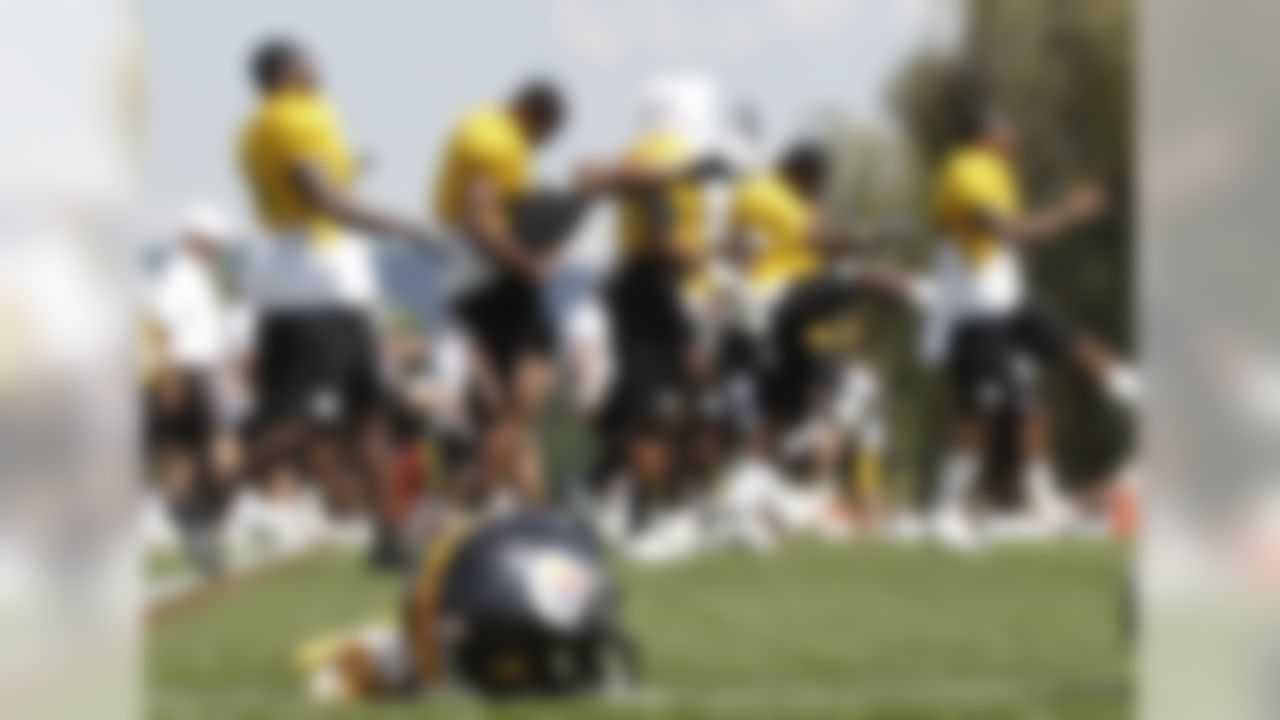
x: 993, y: 362
x: 505, y: 317
x: 318, y: 367
x: 737, y: 353
x: 181, y: 418
x: 505, y: 314
x: 800, y: 371
x: 652, y: 337
x: 786, y: 395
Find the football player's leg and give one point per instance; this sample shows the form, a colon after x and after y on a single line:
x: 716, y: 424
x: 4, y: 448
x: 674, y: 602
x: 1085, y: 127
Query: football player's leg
x: 533, y: 376
x: 1115, y: 376
x: 1051, y: 337
x: 650, y: 464
x: 1039, y: 481
x: 972, y: 374
x: 362, y: 432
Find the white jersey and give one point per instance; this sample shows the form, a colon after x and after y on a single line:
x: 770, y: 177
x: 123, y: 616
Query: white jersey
x: 589, y: 353
x: 962, y: 291
x: 449, y: 375
x: 185, y: 302
x: 233, y: 393
x: 742, y: 304
x: 292, y: 272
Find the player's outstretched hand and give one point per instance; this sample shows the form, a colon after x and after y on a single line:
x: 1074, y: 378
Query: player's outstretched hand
x: 593, y: 176
x: 1085, y: 202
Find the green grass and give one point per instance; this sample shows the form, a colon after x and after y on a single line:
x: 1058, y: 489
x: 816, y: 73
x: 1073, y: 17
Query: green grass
x: 865, y: 631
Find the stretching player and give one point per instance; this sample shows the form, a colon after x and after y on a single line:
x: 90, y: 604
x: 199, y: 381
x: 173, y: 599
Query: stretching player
x: 662, y: 238
x: 990, y: 336
x: 314, y: 286
x: 509, y: 234
x: 801, y: 399
x: 498, y: 280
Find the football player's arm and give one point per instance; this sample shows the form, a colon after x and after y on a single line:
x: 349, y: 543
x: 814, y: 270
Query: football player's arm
x: 646, y: 183
x: 621, y: 177
x: 319, y: 192
x: 895, y: 283
x: 1081, y: 204
x: 483, y: 216
x: 662, y: 218
x: 831, y: 242
x: 628, y: 176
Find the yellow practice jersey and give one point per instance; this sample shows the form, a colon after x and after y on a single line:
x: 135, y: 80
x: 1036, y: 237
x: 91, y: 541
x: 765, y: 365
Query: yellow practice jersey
x: 975, y: 182
x: 290, y: 128
x: 684, y: 211
x: 488, y: 144
x: 775, y: 215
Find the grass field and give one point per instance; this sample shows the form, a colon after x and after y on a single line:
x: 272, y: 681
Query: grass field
x: 863, y: 631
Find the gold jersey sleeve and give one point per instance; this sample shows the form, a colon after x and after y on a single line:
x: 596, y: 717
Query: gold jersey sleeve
x: 973, y: 183
x: 487, y: 144
x: 287, y: 130
x: 769, y: 211
x: 679, y: 209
